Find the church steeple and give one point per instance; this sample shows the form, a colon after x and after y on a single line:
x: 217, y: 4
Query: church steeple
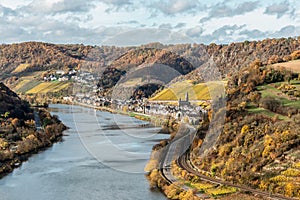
x: 187, y: 97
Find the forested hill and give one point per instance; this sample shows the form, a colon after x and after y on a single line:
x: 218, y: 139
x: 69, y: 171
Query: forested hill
x: 17, y: 60
x: 19, y: 136
x: 12, y: 105
x: 228, y: 59
x: 158, y: 65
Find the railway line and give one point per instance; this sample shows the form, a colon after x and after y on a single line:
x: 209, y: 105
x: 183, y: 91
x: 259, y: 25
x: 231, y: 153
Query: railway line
x: 183, y: 161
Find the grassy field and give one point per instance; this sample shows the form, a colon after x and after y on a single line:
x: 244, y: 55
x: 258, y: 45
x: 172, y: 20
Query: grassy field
x: 291, y: 65
x: 271, y: 91
x: 201, y: 91
x: 259, y: 110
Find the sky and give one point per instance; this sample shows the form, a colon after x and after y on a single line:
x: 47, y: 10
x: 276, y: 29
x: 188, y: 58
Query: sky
x: 135, y: 22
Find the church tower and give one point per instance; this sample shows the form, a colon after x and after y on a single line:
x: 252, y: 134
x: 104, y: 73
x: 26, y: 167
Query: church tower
x: 187, y: 97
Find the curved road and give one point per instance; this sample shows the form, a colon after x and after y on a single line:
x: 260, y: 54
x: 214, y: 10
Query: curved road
x: 174, y: 152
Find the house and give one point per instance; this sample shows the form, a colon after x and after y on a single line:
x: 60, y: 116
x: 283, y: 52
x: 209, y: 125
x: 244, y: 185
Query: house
x: 53, y: 78
x: 72, y: 72
x: 60, y: 72
x: 64, y: 78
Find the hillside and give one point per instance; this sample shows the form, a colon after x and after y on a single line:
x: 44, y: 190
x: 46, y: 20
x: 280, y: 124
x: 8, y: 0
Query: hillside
x: 260, y: 140
x: 23, y: 65
x: 291, y: 65
x: 10, y: 102
x: 174, y: 92
x: 17, y: 59
x: 258, y: 146
x: 19, y: 137
x: 150, y: 64
x: 226, y: 59
x: 229, y: 59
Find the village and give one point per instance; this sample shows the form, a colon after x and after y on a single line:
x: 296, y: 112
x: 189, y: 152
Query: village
x: 182, y: 110
x: 85, y: 93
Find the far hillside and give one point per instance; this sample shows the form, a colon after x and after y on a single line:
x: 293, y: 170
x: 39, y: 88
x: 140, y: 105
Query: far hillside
x: 196, y: 92
x: 259, y: 142
x: 293, y: 65
x: 19, y: 62
x: 150, y: 64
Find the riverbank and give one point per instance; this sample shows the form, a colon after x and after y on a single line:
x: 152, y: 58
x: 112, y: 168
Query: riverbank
x: 160, y: 174
x: 68, y: 171
x: 30, y: 140
x: 155, y: 177
x: 156, y: 121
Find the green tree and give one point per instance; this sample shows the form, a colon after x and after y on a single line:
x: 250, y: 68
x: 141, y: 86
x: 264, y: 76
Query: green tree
x: 5, y: 115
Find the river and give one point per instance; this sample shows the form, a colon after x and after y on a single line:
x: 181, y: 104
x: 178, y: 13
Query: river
x: 95, y: 160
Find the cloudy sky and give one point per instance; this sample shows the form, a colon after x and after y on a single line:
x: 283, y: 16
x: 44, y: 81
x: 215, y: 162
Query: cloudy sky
x: 134, y: 22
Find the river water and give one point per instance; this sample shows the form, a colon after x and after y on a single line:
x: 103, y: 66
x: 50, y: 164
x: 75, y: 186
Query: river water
x: 95, y: 160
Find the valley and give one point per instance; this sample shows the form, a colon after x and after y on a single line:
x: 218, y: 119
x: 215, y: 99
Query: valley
x: 242, y: 100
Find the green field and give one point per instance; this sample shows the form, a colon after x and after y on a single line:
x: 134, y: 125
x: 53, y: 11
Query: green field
x: 271, y: 91
x: 259, y: 110
x: 201, y: 91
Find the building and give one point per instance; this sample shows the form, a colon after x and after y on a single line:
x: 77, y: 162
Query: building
x: 186, y: 102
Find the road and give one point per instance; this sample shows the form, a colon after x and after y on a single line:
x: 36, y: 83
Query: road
x: 183, y: 160
x: 178, y: 146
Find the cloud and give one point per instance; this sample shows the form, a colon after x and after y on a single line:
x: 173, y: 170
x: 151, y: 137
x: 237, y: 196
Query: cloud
x: 287, y: 31
x: 131, y: 22
x: 173, y: 21
x: 253, y: 34
x: 172, y: 7
x: 224, y: 34
x: 278, y: 9
x: 194, y: 32
x: 5, y: 12
x: 180, y: 25
x: 38, y: 7
x: 135, y: 37
x: 116, y: 5
x: 35, y: 28
x: 223, y: 10
x: 72, y: 6
x: 165, y: 26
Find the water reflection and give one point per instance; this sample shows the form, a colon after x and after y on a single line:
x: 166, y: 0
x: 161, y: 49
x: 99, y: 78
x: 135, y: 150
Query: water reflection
x: 67, y: 171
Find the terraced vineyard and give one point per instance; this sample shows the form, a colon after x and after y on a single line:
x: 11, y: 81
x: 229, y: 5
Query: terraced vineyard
x: 46, y: 87
x: 21, y: 68
x: 178, y: 90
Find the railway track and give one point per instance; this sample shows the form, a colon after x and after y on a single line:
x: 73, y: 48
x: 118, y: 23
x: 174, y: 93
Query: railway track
x: 184, y: 162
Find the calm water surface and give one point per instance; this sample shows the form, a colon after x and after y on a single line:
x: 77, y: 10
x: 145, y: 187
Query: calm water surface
x: 95, y: 161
